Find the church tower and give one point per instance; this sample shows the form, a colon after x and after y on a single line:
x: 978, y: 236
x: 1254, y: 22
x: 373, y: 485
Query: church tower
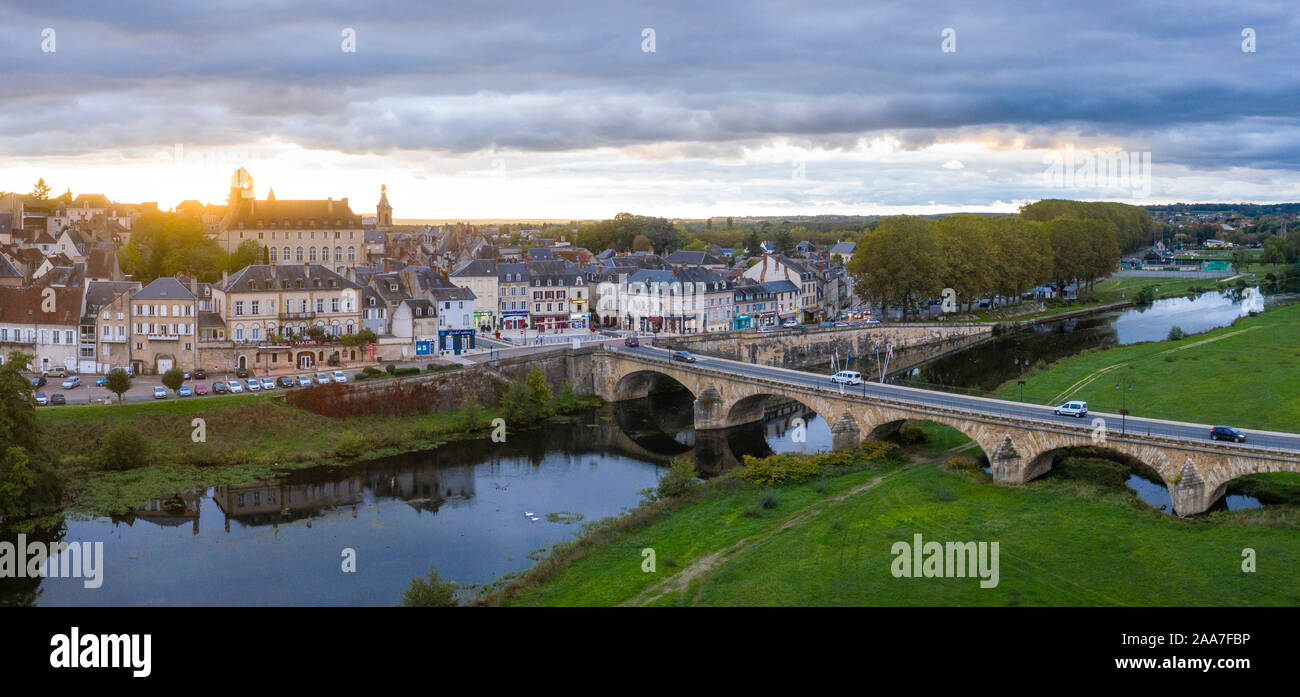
x: 384, y: 212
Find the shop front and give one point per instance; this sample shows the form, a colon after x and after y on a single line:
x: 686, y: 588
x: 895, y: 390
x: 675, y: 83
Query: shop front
x: 578, y: 320
x: 455, y: 340
x: 514, y: 319
x: 742, y: 321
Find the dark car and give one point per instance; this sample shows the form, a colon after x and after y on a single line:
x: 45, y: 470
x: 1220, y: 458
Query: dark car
x: 285, y: 382
x: 631, y: 342
x: 241, y: 372
x: 38, y: 381
x: 683, y: 356
x: 200, y: 374
x: 1227, y: 433
x: 57, y: 399
x: 219, y: 388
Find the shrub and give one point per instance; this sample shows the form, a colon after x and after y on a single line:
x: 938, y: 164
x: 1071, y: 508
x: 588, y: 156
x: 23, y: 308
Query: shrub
x: 963, y: 463
x: 390, y: 368
x: 430, y: 591
x: 472, y: 416
x: 122, y: 448
x: 778, y: 469
x: 768, y: 500
x: 679, y: 478
x: 911, y: 434
x: 350, y: 445
x: 878, y: 449
x: 539, y: 392
x: 1175, y: 333
x: 398, y: 372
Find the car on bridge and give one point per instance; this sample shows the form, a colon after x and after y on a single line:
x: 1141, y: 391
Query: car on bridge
x: 683, y: 356
x: 1079, y: 409
x: 631, y: 342
x: 847, y: 377
x: 1227, y: 433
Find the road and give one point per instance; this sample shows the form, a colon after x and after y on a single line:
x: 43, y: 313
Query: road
x: 1113, y: 422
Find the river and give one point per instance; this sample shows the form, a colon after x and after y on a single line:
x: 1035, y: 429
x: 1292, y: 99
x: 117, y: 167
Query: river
x: 462, y: 510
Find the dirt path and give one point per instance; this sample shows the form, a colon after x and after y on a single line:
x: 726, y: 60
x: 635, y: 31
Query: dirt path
x: 703, y: 568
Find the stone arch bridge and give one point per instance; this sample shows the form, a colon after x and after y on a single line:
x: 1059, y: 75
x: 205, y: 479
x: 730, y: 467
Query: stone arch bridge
x: 1019, y: 448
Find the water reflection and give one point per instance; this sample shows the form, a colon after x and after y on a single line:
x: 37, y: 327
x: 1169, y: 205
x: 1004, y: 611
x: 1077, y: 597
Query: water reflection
x: 459, y: 509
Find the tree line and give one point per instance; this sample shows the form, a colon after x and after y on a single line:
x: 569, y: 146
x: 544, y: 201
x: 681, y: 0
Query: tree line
x: 165, y: 244
x: 907, y: 260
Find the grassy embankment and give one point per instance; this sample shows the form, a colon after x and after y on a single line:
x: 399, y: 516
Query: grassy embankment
x: 246, y: 437
x: 1062, y: 541
x: 1117, y: 289
x: 1247, y: 375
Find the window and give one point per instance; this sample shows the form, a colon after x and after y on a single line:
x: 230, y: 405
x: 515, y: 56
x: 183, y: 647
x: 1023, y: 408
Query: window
x: 352, y: 256
x: 298, y: 256
x: 256, y: 307
x: 312, y: 253
x: 239, y: 307
x: 273, y: 255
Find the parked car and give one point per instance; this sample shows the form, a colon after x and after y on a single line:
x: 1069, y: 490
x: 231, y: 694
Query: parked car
x: 241, y: 372
x: 847, y: 377
x: 339, y: 376
x: 631, y: 342
x: 683, y: 356
x: 1227, y: 433
x: 38, y: 381
x: 41, y: 399
x: 873, y: 320
x: 825, y: 325
x: 286, y: 381
x: 57, y: 371
x: 219, y: 388
x: 57, y: 399
x: 200, y: 374
x: 101, y: 382
x: 184, y: 391
x: 323, y: 379
x: 304, y: 380
x: 160, y: 393
x: 253, y: 385
x: 185, y: 374
x: 790, y: 323
x: 200, y: 389
x: 235, y: 387
x: 71, y: 382
x: 268, y: 384
x: 1079, y: 409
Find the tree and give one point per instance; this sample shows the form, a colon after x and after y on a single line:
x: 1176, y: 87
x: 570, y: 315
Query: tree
x: 41, y: 192
x: 967, y: 253
x: 430, y: 591
x: 173, y: 379
x: 899, y: 263
x: 248, y: 253
x: 784, y: 241
x: 539, y: 392
x: 17, y: 406
x: 118, y: 382
x: 122, y: 448
x: 1274, y: 251
x: 641, y: 244
x: 753, y: 245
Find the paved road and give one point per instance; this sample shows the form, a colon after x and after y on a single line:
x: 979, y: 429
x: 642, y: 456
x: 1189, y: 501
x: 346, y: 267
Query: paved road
x: 1114, y: 422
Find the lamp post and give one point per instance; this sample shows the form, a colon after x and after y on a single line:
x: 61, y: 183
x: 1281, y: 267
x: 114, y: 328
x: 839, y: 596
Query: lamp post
x: 1123, y: 411
x: 1022, y: 389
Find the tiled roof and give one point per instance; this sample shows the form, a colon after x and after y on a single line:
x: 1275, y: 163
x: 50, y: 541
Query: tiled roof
x: 27, y: 305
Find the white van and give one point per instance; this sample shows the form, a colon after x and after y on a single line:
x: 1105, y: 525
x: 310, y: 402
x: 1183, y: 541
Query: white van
x: 1079, y: 409
x: 847, y: 377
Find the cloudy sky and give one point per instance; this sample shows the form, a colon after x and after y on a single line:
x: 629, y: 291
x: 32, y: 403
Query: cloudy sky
x: 683, y: 109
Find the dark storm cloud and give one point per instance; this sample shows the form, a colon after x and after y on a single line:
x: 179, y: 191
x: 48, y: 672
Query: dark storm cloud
x: 463, y: 77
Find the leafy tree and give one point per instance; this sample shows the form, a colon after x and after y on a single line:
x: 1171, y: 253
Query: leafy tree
x: 173, y: 379
x: 430, y: 591
x: 17, y: 407
x: 641, y: 244
x: 17, y: 477
x: 539, y: 392
x: 899, y: 263
x: 679, y: 478
x: 118, y: 382
x: 248, y: 253
x: 753, y: 245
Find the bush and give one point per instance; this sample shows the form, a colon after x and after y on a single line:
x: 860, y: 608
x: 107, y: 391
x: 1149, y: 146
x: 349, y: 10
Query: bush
x: 430, y: 591
x: 124, y: 447
x: 398, y: 372
x: 390, y: 368
x: 911, y: 434
x: 472, y: 416
x: 778, y: 469
x: 877, y: 449
x: 679, y: 478
x: 1175, y: 333
x: 350, y: 445
x: 539, y: 392
x: 963, y: 463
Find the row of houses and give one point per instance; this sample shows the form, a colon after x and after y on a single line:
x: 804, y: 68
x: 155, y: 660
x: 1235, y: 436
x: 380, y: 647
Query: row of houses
x: 265, y: 316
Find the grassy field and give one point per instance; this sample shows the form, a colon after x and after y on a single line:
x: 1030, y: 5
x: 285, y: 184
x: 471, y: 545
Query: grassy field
x: 828, y: 542
x: 1247, y: 374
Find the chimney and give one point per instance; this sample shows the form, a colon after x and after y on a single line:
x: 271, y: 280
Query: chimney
x: 225, y: 279
x: 329, y: 205
x: 306, y: 271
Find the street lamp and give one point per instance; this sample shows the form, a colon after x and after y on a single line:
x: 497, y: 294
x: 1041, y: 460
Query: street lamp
x: 1022, y: 389
x: 1123, y: 412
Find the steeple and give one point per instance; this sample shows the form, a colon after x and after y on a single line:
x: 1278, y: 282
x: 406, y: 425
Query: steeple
x: 383, y: 211
x: 270, y: 194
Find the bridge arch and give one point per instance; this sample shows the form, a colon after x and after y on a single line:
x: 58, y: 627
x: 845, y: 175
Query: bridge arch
x: 641, y: 383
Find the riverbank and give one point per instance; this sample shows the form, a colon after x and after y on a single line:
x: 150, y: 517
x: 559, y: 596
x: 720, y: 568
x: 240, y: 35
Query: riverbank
x: 829, y: 541
x: 1246, y: 374
x: 241, y: 439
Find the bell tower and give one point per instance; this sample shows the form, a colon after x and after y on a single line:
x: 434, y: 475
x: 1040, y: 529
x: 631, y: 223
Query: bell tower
x: 383, y: 211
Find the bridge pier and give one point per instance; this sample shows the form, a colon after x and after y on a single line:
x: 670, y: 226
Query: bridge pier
x: 1190, y: 494
x: 710, y: 411
x: 1011, y: 468
x: 846, y: 433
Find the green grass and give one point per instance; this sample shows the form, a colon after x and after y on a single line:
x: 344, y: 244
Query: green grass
x: 1248, y: 377
x: 1061, y: 542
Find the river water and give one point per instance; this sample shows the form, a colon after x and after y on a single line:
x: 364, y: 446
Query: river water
x: 462, y: 510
